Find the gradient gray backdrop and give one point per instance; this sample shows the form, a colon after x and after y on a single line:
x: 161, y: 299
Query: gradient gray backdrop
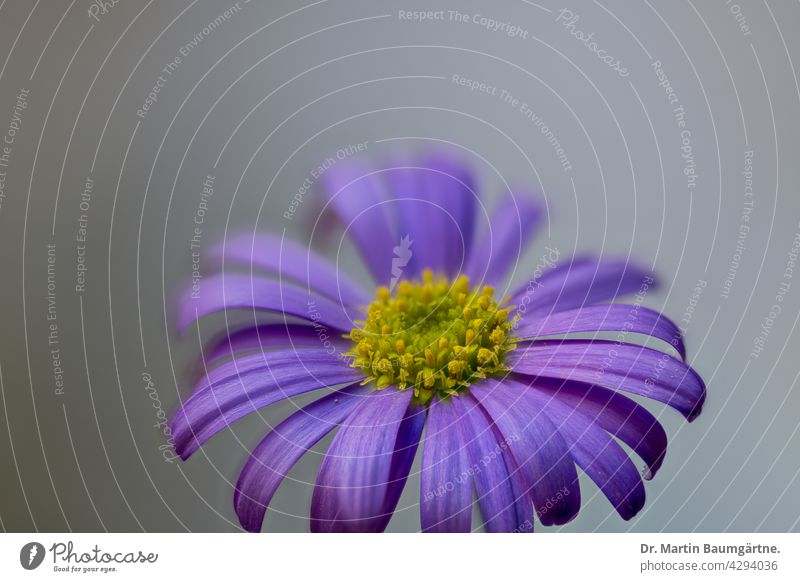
x: 279, y: 86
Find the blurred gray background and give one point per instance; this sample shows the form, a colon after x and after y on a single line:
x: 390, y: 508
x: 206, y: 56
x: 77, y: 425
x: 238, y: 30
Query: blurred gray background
x: 270, y: 90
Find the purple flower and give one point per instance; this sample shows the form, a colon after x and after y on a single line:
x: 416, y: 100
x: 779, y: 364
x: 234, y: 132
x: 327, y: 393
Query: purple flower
x: 510, y: 406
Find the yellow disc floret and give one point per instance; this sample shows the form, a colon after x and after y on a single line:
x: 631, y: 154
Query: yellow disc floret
x: 433, y: 336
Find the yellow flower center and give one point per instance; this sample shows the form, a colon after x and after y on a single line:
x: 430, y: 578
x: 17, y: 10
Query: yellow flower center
x: 433, y: 336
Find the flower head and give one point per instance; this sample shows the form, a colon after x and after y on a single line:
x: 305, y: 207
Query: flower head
x: 433, y: 336
x: 509, y: 403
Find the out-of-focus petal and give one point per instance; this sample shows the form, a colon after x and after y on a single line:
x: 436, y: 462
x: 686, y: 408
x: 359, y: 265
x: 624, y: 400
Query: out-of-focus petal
x: 435, y: 202
x: 498, y: 250
x: 293, y: 261
x: 584, y: 281
x: 358, y: 197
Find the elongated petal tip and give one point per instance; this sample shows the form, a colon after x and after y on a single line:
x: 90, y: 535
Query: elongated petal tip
x: 692, y: 416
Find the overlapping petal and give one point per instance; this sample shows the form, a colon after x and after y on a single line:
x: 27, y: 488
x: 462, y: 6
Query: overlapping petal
x: 271, y: 335
x: 635, y: 369
x: 435, y: 201
x: 594, y: 451
x: 242, y: 386
x: 620, y: 318
x: 291, y: 261
x: 367, y: 464
x: 223, y: 292
x: 537, y: 449
x: 358, y: 197
x: 278, y: 452
x: 581, y: 282
x: 446, y: 484
x: 503, y: 505
x: 627, y: 420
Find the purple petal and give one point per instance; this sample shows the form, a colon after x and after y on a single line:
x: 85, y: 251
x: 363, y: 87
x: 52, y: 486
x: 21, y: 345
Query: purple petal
x: 291, y: 260
x: 282, y: 448
x: 513, y: 224
x: 365, y: 468
x: 582, y: 282
x: 616, y: 317
x: 408, y: 437
x: 435, y: 198
x: 619, y: 415
x: 446, y: 487
x: 274, y: 335
x: 244, y: 385
x: 502, y: 508
x: 599, y: 455
x: 538, y: 449
x: 460, y: 198
x: 625, y: 367
x: 237, y: 291
x: 357, y: 196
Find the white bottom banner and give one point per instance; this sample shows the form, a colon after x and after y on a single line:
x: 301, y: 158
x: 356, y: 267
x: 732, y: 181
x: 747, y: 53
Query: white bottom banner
x: 404, y: 557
